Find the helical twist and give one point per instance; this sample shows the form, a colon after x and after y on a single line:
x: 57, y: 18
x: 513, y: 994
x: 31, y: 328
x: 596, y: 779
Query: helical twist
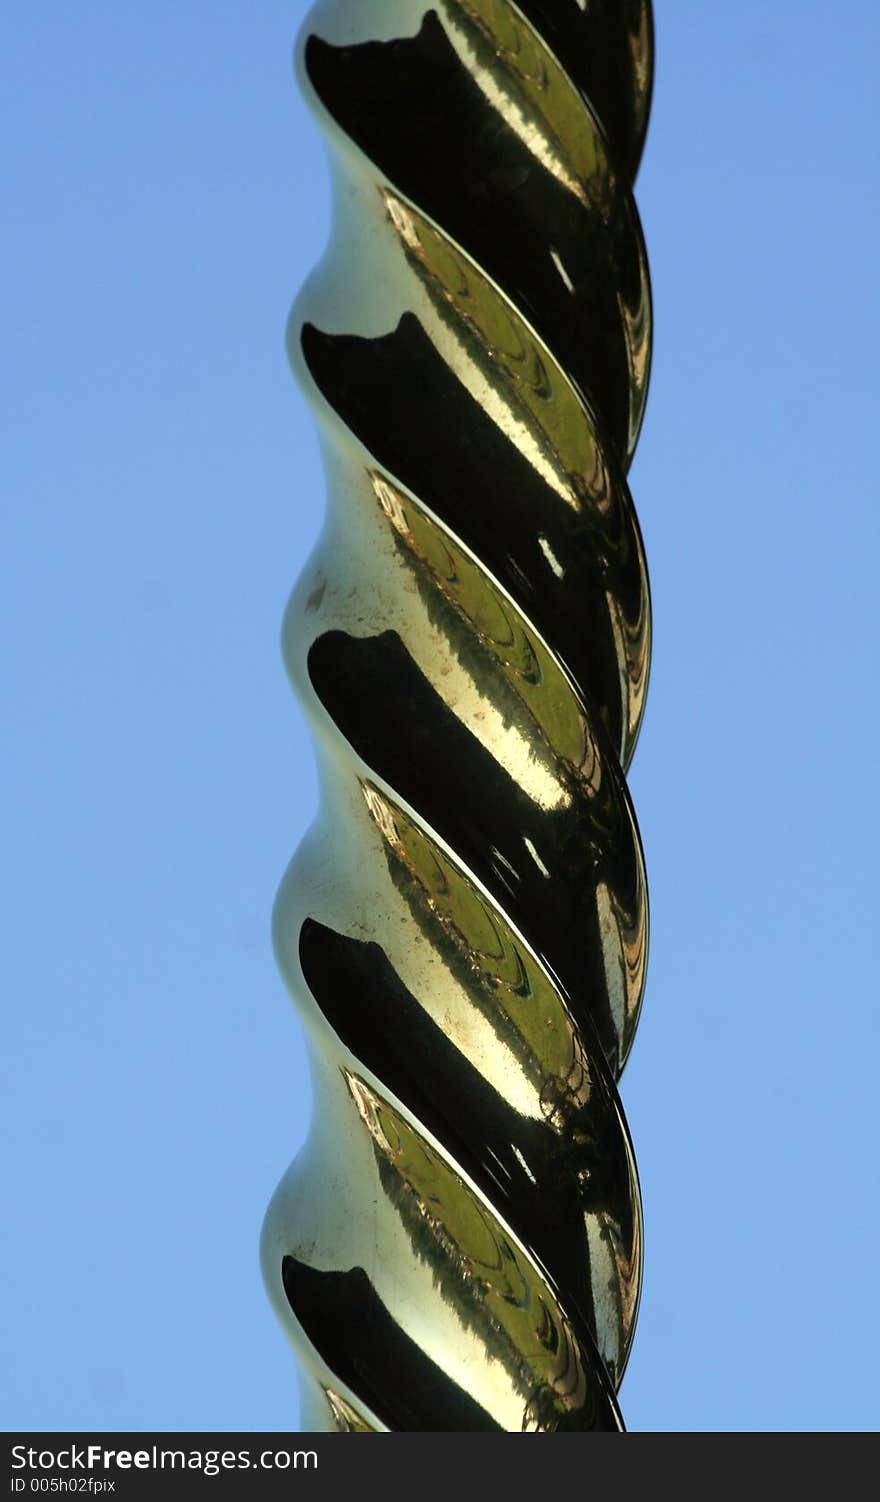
x: 464, y: 928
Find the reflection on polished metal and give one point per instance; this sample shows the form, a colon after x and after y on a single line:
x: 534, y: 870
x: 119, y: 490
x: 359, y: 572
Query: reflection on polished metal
x: 458, y: 1246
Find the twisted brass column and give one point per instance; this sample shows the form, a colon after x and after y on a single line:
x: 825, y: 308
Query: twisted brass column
x: 464, y: 928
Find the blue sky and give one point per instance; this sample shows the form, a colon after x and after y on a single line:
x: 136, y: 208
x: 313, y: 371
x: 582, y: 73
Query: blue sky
x: 164, y: 197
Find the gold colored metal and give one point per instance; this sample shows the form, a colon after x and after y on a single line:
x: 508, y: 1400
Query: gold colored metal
x: 465, y: 927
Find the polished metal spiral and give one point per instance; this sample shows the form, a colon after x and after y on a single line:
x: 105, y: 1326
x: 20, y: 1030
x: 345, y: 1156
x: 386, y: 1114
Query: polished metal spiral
x: 464, y: 928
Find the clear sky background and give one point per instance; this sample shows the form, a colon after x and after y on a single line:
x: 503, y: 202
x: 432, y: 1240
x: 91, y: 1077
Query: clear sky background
x: 163, y: 196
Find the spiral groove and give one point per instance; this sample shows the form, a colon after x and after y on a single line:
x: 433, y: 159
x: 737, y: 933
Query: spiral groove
x: 464, y: 928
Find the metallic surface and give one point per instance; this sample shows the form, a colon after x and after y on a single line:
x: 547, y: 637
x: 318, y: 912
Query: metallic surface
x: 464, y: 928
